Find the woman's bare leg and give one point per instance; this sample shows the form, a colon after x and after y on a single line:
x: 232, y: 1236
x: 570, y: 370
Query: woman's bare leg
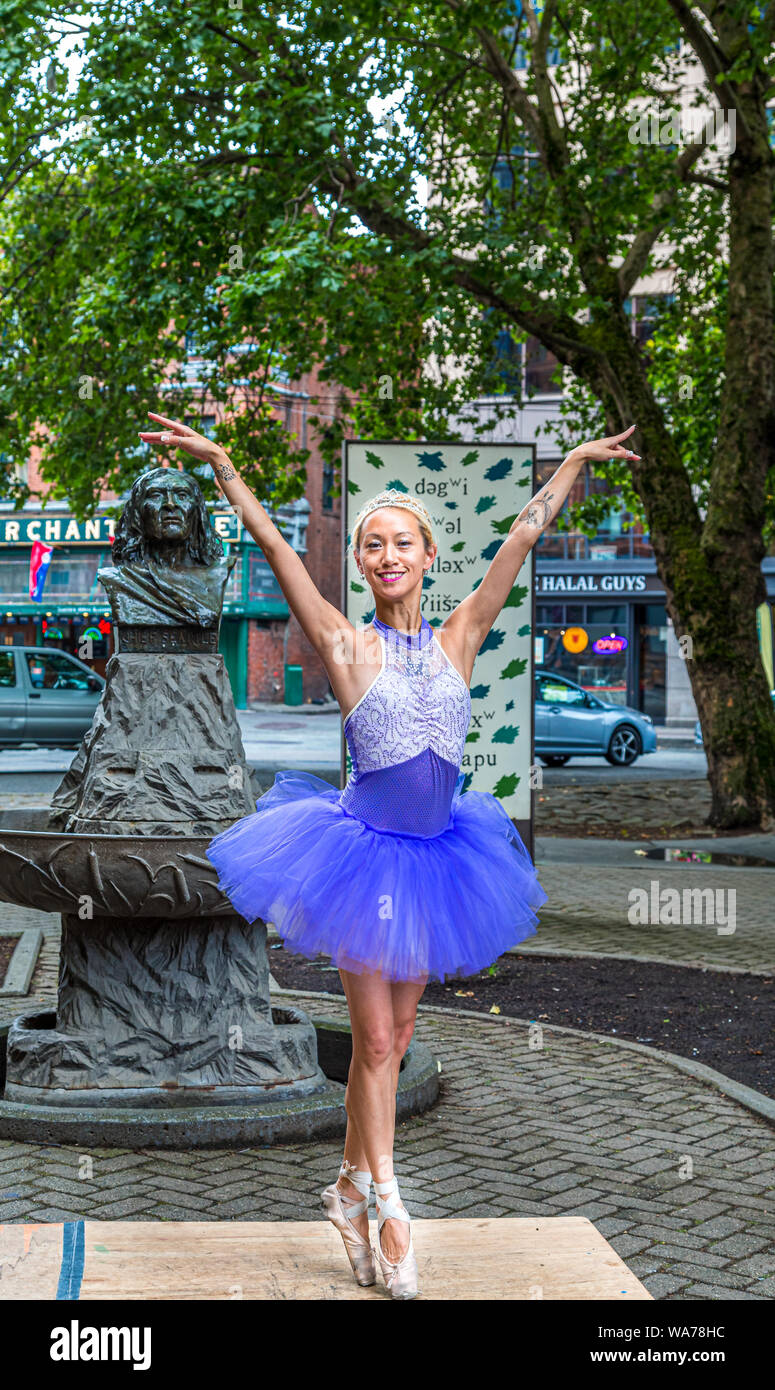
x: 382, y: 1014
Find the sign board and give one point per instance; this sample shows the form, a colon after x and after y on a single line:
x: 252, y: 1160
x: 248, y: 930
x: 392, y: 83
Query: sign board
x: 473, y: 493
x: 606, y: 582
x: 60, y: 528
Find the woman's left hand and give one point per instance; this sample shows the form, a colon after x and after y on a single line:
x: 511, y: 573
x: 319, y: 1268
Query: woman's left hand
x: 601, y: 450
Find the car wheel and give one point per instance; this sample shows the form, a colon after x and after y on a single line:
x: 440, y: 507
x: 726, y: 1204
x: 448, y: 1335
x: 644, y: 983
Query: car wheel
x: 554, y: 759
x: 625, y: 746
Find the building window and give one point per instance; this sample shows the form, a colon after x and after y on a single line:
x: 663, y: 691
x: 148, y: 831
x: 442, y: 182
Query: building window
x: 541, y: 367
x: 328, y: 483
x: 527, y: 367
x: 643, y: 312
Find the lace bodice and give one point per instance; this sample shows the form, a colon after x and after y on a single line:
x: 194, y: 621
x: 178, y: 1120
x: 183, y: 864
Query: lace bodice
x: 406, y: 736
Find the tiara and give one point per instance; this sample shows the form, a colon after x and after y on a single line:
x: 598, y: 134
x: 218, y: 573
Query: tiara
x: 391, y: 498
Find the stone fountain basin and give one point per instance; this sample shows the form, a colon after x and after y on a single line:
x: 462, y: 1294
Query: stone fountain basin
x: 123, y: 875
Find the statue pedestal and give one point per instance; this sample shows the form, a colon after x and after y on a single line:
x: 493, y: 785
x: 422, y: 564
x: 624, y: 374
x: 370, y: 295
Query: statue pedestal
x: 160, y: 1011
x: 163, y: 756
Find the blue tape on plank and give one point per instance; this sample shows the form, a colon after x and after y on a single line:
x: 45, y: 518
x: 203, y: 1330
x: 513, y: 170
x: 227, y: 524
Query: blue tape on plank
x: 71, y: 1272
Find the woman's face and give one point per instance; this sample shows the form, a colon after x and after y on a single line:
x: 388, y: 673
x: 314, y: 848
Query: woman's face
x: 392, y: 555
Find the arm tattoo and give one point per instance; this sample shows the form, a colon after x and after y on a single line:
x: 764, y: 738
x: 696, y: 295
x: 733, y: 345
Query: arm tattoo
x: 224, y: 471
x: 533, y: 516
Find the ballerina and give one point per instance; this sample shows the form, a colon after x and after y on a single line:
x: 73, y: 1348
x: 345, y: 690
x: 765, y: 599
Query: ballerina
x: 401, y: 877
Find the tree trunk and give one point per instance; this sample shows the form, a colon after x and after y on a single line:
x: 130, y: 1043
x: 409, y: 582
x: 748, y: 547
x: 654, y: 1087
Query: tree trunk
x: 730, y: 684
x: 713, y: 582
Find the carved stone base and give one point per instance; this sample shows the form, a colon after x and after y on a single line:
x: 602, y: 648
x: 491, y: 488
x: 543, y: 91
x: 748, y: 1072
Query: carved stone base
x: 163, y: 756
x: 170, y: 1008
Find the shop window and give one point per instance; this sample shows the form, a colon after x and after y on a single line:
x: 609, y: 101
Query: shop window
x: 651, y: 621
x: 233, y: 590
x: 612, y: 614
x: 262, y: 582
x: 603, y: 670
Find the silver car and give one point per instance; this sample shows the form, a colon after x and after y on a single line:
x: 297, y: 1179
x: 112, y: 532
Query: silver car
x: 47, y: 697
x: 571, y: 722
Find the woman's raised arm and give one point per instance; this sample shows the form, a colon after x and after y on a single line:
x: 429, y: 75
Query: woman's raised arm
x: 468, y: 623
x: 324, y: 626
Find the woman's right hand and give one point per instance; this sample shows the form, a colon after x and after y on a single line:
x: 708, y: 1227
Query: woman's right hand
x: 181, y: 436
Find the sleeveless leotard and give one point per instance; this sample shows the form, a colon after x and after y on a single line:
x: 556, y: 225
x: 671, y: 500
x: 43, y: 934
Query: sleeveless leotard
x: 401, y: 872
x: 406, y: 736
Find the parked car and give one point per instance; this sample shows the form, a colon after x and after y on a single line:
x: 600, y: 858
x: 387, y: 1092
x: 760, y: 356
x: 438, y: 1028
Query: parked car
x: 698, y: 741
x: 571, y: 722
x: 47, y: 697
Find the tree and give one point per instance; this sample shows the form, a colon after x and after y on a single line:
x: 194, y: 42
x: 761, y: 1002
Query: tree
x: 253, y: 177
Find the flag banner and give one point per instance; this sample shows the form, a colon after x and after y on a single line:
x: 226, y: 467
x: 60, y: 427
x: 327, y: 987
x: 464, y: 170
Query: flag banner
x: 40, y: 559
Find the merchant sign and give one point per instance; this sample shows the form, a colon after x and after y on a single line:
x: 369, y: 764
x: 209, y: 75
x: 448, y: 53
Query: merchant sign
x: 22, y: 528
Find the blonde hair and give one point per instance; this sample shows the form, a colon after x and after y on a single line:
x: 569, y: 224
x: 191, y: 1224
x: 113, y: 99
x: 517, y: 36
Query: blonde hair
x: 394, y: 498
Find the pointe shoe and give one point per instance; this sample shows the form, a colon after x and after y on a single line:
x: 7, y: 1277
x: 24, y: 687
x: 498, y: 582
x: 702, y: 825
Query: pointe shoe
x: 400, y: 1275
x: 339, y: 1209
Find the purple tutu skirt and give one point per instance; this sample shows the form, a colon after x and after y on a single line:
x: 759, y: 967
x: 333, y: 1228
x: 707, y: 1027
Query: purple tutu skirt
x: 374, y: 900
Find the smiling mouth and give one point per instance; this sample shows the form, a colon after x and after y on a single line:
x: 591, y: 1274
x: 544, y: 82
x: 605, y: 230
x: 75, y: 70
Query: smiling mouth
x: 390, y: 576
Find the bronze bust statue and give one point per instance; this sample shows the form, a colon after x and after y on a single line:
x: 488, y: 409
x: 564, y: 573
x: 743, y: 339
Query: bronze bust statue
x: 168, y: 563
x: 164, y: 754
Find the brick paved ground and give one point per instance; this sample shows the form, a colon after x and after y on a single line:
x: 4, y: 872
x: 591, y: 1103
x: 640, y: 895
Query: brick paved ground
x: 588, y: 908
x: 676, y: 1176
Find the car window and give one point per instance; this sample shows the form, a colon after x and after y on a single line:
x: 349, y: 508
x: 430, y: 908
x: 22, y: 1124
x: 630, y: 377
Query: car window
x: 7, y: 669
x: 55, y: 671
x: 555, y: 691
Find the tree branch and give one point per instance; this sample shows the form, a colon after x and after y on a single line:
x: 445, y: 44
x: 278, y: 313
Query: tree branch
x: 712, y: 57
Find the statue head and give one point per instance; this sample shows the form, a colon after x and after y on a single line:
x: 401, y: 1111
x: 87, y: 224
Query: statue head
x: 165, y: 513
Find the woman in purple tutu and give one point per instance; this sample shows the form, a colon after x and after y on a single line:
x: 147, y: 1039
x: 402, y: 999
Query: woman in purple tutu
x: 401, y: 877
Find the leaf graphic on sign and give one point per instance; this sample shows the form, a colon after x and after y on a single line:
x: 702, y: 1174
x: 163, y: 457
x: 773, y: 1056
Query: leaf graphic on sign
x: 506, y: 734
x: 351, y: 486
x: 516, y: 598
x: 357, y: 588
x: 494, y: 639
x: 479, y: 692
x: 397, y: 485
x: 459, y: 545
x: 434, y: 462
x: 471, y: 738
x: 484, y: 504
x: 504, y: 524
x: 506, y: 786
x: 524, y: 630
x: 374, y: 459
x: 469, y: 458
x: 514, y: 668
x: 501, y: 469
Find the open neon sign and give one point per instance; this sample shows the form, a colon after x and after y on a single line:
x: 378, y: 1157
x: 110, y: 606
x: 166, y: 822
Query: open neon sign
x: 609, y: 646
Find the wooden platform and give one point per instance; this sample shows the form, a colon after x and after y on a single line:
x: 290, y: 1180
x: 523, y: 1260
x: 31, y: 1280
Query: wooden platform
x: 562, y: 1257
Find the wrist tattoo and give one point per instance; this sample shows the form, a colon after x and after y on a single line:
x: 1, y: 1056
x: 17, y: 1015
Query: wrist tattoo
x: 224, y: 471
